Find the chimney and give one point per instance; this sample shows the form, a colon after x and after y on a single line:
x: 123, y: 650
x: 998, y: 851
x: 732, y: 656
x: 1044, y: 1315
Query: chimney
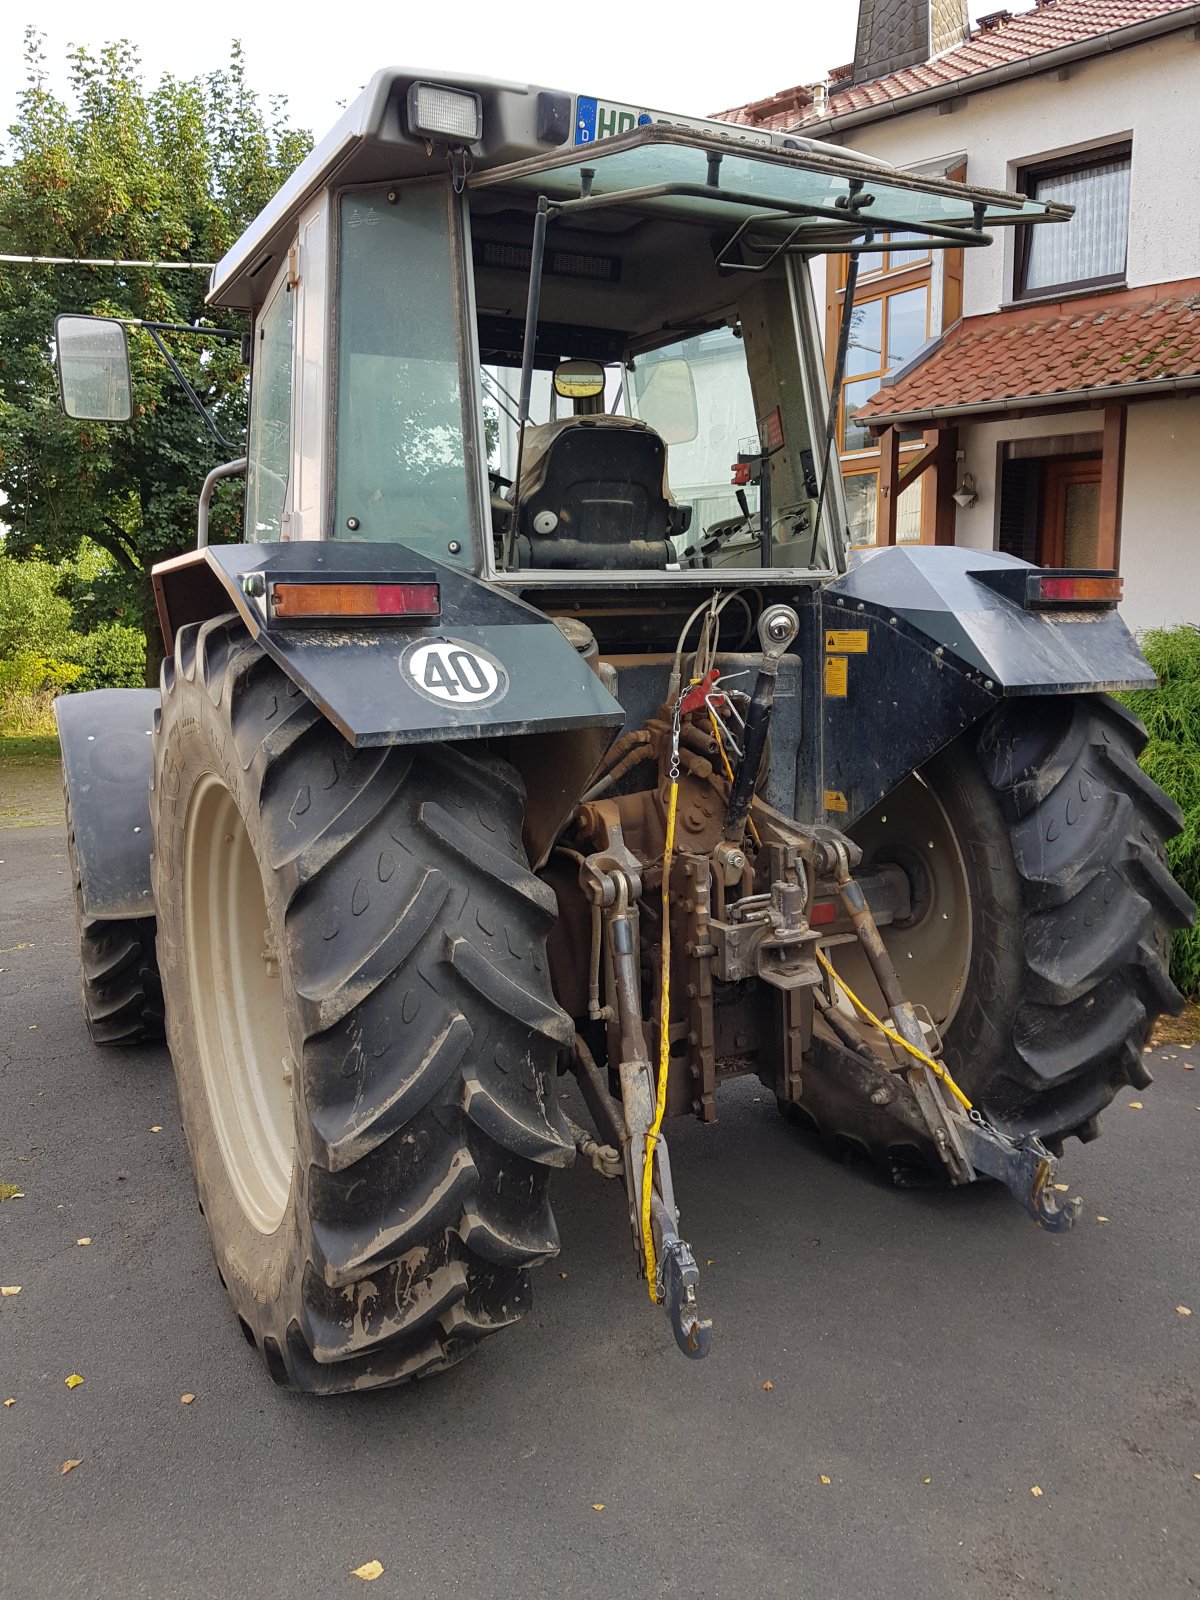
x: 904, y: 33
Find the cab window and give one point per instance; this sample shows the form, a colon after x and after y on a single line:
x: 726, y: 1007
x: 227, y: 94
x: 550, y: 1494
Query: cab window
x: 269, y: 442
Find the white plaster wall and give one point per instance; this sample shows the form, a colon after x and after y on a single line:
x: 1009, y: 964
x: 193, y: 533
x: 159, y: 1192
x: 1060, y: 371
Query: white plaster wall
x: 1160, y: 514
x: 1150, y: 91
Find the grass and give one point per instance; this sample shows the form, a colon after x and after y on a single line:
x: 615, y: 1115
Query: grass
x: 10, y: 1191
x: 28, y: 750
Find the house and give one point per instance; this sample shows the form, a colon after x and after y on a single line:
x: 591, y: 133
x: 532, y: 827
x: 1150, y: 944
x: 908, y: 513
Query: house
x: 1041, y: 396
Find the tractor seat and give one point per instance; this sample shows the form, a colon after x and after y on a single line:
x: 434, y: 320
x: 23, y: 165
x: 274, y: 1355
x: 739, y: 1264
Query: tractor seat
x: 594, y: 493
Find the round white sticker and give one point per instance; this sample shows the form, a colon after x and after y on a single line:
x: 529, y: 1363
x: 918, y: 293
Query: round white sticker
x: 454, y: 674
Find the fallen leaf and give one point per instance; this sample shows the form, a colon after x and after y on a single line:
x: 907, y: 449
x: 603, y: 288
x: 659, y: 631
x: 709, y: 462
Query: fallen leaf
x: 926, y: 1480
x: 10, y: 1402
x: 824, y: 1479
x: 8, y: 1289
x: 186, y: 1399
x: 562, y: 1274
x: 85, y: 1240
x: 73, y: 1381
x: 1189, y: 1066
x: 768, y: 1384
x: 1195, y: 1475
x: 157, y: 1129
x: 1061, y: 1187
x: 9, y: 1191
x: 69, y: 1466
x: 1101, y: 1219
x: 369, y: 1571
x: 1135, y: 1105
x: 33, y: 1027
x: 1036, y: 1492
x: 1184, y: 1311
x: 599, y: 1506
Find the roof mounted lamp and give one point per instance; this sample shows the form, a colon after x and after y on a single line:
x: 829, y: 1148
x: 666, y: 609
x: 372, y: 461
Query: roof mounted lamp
x: 445, y: 115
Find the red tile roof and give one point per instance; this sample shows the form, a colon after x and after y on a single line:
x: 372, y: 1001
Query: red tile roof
x: 1030, y: 355
x: 1020, y: 37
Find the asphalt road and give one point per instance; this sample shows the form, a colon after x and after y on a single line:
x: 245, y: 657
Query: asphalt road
x: 931, y: 1354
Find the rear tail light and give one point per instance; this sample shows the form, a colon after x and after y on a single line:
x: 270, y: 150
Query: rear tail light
x: 1094, y: 589
x: 321, y: 602
x: 822, y: 912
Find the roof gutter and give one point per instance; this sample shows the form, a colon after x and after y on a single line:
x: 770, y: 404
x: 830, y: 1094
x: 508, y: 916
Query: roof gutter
x: 1027, y: 67
x: 1062, y: 400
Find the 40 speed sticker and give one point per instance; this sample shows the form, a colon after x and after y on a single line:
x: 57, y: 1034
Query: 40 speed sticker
x: 452, y: 673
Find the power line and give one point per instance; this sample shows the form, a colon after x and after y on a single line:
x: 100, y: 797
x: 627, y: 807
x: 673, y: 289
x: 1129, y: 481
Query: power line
x: 90, y: 261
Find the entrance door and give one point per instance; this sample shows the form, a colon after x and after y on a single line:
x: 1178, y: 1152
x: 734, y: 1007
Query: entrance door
x: 1070, y: 512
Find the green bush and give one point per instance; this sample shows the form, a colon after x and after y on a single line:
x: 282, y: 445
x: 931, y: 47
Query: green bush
x: 1172, y: 758
x: 33, y: 615
x: 110, y: 657
x: 29, y: 682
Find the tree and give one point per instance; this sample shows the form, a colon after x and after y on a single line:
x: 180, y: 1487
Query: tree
x: 172, y: 173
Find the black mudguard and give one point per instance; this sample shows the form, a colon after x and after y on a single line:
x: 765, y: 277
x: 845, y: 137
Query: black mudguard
x: 917, y: 649
x: 105, y: 736
x: 550, y: 715
x: 357, y: 675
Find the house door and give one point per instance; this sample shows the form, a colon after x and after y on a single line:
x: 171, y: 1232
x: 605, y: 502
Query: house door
x: 1050, y: 510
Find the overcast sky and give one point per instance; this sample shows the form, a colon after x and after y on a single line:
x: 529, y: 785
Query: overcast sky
x: 695, y: 58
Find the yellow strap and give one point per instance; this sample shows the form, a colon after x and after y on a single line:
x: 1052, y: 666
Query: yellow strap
x: 664, y: 1050
x: 935, y: 1066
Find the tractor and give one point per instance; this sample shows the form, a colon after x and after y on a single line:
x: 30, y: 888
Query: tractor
x: 541, y: 760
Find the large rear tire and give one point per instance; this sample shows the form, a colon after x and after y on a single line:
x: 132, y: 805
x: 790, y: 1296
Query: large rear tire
x: 119, y: 982
x: 1043, y: 911
x: 361, y: 1021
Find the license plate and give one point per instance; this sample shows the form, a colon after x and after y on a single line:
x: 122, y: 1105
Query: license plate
x: 605, y: 119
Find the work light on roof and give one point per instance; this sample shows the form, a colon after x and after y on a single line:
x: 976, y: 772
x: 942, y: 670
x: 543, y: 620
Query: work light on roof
x: 452, y: 115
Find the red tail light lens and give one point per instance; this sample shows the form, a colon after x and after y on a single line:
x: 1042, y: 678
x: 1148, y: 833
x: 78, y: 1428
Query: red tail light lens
x: 822, y: 912
x: 1074, y: 589
x: 312, y: 602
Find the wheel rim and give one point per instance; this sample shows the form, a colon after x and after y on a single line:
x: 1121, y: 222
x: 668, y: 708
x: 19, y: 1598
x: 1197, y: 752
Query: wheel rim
x: 237, y: 1004
x: 932, y: 950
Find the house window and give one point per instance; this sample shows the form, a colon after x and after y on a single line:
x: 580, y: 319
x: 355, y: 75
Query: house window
x: 1088, y: 251
x: 888, y: 324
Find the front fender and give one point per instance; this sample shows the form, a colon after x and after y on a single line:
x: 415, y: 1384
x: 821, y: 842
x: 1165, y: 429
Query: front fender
x: 917, y: 649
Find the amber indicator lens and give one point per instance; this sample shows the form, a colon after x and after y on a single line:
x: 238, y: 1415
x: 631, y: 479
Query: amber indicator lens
x: 293, y: 601
x: 1075, y: 589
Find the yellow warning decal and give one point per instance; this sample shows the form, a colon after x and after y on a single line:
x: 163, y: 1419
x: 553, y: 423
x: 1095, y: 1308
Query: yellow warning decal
x: 836, y: 677
x: 851, y: 641
x: 835, y: 800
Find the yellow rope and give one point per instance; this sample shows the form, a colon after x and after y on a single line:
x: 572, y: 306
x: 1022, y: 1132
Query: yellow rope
x: 936, y: 1067
x: 664, y: 1051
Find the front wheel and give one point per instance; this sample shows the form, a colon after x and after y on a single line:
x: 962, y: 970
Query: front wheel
x: 1042, y: 909
x: 361, y: 1021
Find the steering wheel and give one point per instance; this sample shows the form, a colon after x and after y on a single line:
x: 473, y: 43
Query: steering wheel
x: 498, y: 481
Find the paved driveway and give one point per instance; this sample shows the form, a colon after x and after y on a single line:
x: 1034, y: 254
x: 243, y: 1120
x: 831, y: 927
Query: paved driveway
x: 932, y: 1355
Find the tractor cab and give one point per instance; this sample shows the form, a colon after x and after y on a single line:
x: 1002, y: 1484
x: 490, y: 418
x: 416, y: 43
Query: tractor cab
x: 488, y: 332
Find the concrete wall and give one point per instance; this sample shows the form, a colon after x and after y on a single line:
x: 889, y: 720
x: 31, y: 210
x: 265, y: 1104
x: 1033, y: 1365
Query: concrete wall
x: 1148, y: 92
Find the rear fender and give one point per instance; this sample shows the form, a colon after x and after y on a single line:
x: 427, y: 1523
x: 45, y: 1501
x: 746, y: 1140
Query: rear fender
x: 545, y: 709
x: 107, y: 757
x: 917, y: 649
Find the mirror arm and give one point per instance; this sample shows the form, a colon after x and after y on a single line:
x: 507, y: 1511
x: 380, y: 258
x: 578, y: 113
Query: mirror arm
x: 227, y: 469
x: 181, y: 375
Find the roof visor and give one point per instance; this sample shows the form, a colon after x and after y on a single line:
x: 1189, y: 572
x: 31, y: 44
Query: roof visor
x: 775, y: 198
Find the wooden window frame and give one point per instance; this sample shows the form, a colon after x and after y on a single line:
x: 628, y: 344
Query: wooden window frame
x: 1027, y: 181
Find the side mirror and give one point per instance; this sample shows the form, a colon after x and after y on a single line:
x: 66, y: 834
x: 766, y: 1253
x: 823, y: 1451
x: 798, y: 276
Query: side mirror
x: 578, y: 380
x: 93, y: 369
x: 666, y: 399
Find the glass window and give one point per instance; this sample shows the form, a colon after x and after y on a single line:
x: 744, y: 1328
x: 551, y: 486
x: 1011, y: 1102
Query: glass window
x: 269, y: 441
x: 1090, y: 248
x: 700, y: 468
x: 862, y: 494
x: 908, y: 513
x: 857, y: 436
x: 401, y: 467
x: 864, y: 352
x: 907, y: 319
